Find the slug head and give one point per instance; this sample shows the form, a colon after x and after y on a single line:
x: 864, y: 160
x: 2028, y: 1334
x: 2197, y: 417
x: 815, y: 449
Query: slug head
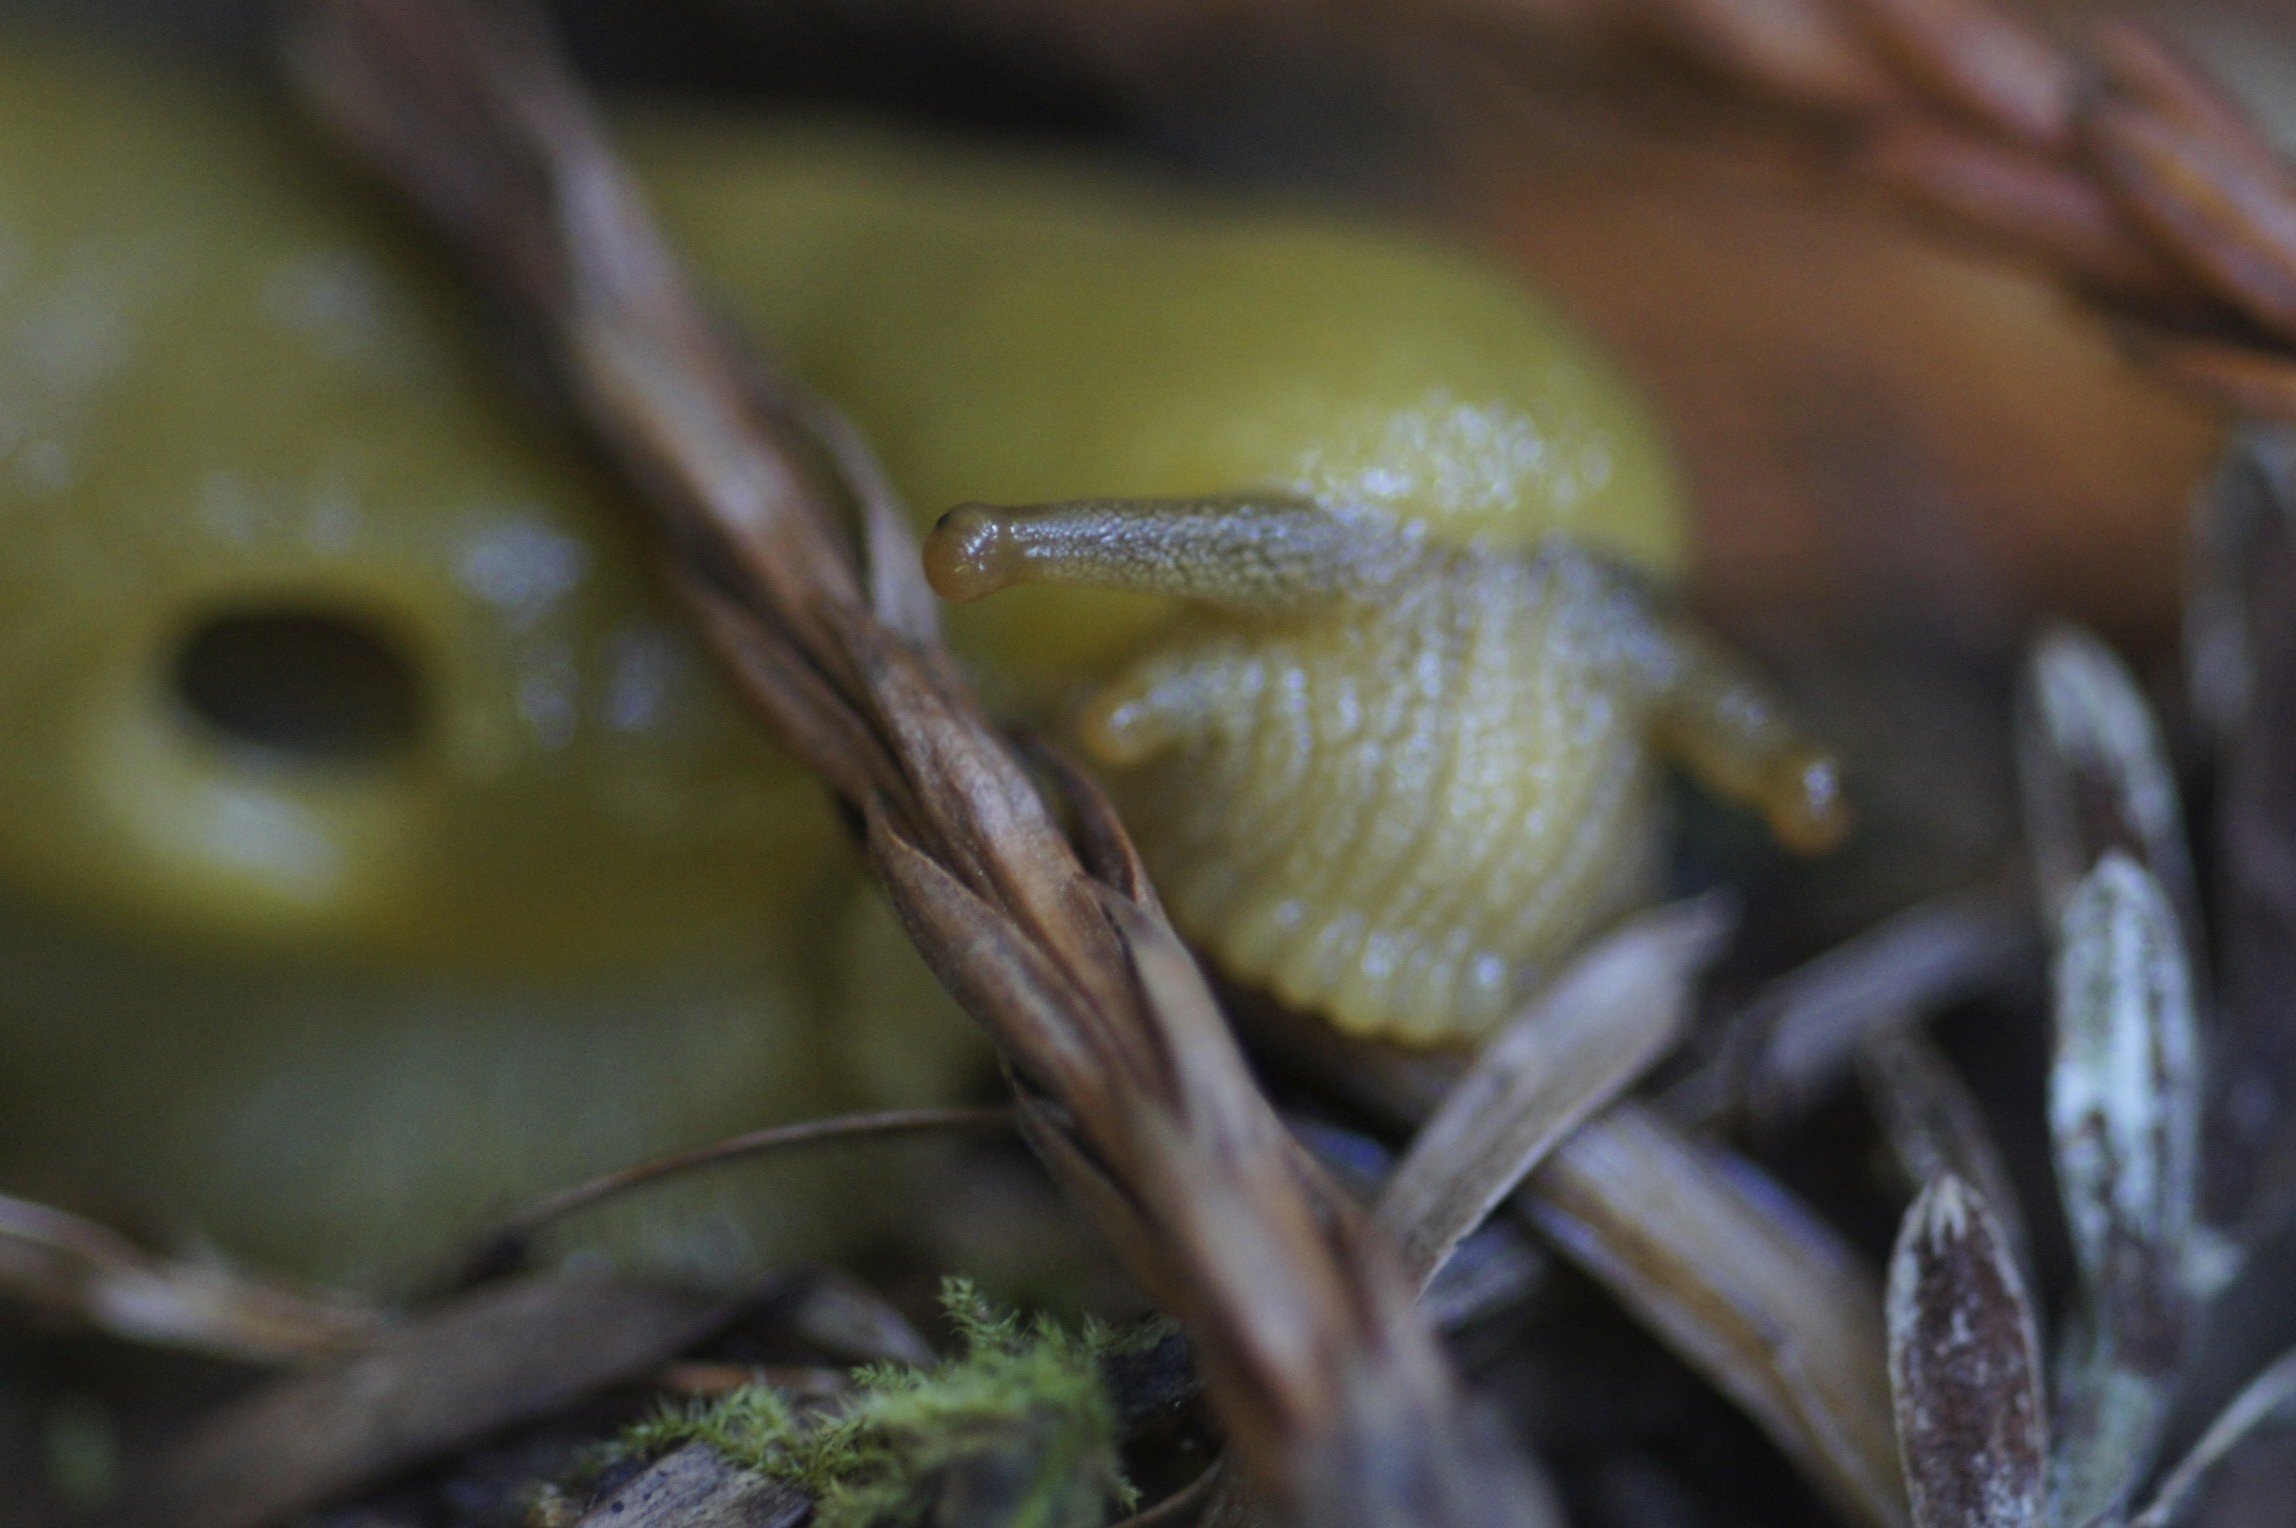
x: 972, y: 553
x: 1803, y: 802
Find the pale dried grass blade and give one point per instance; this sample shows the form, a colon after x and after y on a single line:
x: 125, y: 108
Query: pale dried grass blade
x: 1719, y: 1262
x: 2124, y: 1115
x: 695, y: 1488
x: 1980, y: 61
x: 2034, y: 208
x: 2266, y: 1403
x: 2241, y: 641
x: 1799, y: 1036
x: 2096, y: 775
x: 1934, y: 1127
x: 2229, y: 218
x: 1496, y: 1266
x: 501, y: 1355
x: 75, y: 1270
x: 1765, y: 1302
x: 1613, y: 1013
x: 1965, y: 1368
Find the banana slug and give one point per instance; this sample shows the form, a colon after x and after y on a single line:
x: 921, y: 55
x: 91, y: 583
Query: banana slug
x: 376, y: 849
x: 1343, y: 557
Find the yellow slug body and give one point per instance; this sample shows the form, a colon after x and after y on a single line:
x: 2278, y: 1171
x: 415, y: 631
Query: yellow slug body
x: 237, y: 408
x: 1397, y: 803
x: 1012, y: 331
x: 377, y: 849
x: 1386, y: 815
x: 377, y: 846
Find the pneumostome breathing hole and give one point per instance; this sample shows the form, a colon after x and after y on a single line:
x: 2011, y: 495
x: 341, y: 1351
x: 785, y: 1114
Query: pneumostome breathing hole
x: 300, y: 686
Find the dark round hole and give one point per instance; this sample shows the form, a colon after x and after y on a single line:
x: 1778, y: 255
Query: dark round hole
x: 300, y: 686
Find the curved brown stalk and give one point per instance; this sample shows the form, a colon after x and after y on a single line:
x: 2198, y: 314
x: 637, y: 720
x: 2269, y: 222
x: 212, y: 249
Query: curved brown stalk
x: 1129, y: 1084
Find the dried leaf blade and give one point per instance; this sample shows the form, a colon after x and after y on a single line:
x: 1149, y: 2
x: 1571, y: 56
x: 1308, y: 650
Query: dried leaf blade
x: 503, y: 1354
x: 2095, y: 773
x: 1965, y: 1367
x: 1768, y: 1304
x: 1934, y: 1126
x: 2241, y: 648
x: 1613, y: 1013
x: 2124, y: 1116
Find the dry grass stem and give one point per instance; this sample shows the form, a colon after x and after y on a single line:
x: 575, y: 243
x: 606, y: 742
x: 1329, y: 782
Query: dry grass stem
x: 1130, y: 1086
x: 2094, y: 153
x: 2022, y: 205
x: 525, y: 1222
x: 1805, y: 50
x: 74, y: 1268
x: 1975, y: 60
x: 1181, y: 1505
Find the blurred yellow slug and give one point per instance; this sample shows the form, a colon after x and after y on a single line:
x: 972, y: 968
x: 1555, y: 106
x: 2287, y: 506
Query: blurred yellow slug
x: 376, y: 848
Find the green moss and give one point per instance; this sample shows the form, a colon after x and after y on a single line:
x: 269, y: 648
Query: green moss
x: 1019, y: 1430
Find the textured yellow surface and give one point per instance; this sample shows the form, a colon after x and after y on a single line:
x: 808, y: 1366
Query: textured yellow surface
x: 1397, y: 803
x: 1386, y: 814
x: 1015, y: 331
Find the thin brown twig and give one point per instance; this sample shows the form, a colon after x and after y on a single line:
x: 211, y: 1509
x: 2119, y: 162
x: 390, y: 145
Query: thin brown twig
x: 1179, y: 1504
x: 530, y: 1218
x: 1128, y: 1080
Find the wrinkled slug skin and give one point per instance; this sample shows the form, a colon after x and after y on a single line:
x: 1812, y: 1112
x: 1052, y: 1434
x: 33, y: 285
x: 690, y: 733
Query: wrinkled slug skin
x: 1384, y: 818
x: 570, y: 910
x: 1400, y: 817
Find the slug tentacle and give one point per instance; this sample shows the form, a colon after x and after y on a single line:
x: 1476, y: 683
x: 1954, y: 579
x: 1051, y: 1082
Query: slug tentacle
x: 1250, y: 555
x: 1733, y: 736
